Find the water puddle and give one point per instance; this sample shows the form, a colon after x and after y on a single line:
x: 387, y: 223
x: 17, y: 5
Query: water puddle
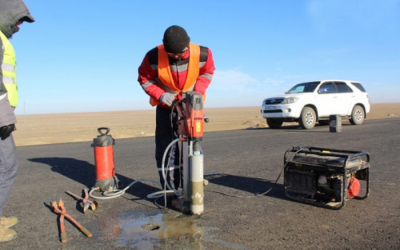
x: 170, y: 230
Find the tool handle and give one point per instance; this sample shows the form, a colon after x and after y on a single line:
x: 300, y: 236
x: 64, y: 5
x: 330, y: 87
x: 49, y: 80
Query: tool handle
x: 86, y: 199
x: 74, y: 195
x: 63, y: 237
x: 83, y: 229
x: 73, y: 221
x: 86, y: 232
x: 63, y: 234
x: 103, y: 128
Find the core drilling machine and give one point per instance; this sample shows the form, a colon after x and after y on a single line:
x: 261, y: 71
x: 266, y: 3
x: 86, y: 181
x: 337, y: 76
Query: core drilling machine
x: 190, y: 130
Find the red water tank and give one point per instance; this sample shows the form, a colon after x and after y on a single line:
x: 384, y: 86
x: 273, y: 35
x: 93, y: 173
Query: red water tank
x: 104, y: 160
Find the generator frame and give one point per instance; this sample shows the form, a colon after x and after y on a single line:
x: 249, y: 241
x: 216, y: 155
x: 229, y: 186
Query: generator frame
x: 304, y: 165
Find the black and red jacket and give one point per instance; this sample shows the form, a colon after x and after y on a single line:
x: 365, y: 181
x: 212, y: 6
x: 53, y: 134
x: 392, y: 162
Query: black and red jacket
x: 148, y: 73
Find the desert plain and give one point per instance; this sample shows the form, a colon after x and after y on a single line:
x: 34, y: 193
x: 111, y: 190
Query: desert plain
x: 39, y: 129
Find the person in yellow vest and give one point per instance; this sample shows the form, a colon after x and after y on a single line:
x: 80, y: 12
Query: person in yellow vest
x: 167, y: 71
x: 12, y: 14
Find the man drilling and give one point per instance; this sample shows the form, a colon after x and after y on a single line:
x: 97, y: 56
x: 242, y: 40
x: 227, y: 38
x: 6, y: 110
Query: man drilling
x: 168, y: 71
x: 12, y: 14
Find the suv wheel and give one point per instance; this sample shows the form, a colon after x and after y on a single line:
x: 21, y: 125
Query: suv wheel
x: 274, y: 123
x: 308, y: 118
x: 357, y: 115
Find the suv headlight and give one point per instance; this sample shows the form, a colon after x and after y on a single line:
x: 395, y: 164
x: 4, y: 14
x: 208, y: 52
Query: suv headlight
x: 290, y: 100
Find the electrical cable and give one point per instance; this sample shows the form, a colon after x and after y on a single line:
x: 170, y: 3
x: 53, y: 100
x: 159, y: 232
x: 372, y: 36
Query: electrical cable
x: 164, y: 192
x: 156, y: 195
x: 264, y: 193
x: 118, y: 192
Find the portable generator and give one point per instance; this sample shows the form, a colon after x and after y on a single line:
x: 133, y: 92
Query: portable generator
x: 326, y: 177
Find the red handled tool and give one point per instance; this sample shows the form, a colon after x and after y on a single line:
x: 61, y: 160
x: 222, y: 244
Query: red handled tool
x: 60, y: 209
x: 94, y: 205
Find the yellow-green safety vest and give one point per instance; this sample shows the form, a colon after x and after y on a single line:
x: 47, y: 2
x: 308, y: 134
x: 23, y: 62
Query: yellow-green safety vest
x: 9, y: 70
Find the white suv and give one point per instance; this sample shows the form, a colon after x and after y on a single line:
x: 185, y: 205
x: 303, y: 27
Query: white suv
x: 311, y: 102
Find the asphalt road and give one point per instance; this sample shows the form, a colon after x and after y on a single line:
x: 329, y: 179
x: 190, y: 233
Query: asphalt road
x: 248, y: 162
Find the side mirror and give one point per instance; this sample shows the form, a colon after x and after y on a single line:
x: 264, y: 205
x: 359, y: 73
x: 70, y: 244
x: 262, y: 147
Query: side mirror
x: 322, y: 91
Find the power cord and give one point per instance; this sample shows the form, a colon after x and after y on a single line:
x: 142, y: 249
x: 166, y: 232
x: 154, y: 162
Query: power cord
x: 269, y: 190
x: 156, y: 195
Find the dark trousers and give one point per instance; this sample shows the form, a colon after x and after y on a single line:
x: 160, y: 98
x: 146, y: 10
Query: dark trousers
x: 166, y: 132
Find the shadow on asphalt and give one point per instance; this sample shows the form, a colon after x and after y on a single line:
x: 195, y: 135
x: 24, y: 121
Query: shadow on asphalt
x: 85, y: 173
x: 291, y: 128
x: 245, y: 184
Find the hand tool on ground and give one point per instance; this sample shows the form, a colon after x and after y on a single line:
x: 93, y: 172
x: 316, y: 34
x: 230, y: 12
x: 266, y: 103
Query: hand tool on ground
x: 60, y: 209
x: 94, y: 205
x: 61, y: 219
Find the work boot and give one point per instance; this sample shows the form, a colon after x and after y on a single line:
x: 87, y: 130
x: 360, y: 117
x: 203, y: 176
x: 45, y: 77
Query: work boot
x: 7, y: 234
x: 177, y: 203
x: 8, y: 222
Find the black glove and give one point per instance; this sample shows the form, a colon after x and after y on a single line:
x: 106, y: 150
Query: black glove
x: 6, y: 131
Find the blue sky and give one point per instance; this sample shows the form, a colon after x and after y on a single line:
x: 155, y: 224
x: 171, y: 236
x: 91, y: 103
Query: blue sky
x: 83, y: 56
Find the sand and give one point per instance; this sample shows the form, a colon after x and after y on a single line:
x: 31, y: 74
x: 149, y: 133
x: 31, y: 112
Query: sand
x: 77, y: 127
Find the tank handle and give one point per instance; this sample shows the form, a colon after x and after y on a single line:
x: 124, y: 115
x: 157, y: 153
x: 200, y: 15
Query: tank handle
x: 103, y: 128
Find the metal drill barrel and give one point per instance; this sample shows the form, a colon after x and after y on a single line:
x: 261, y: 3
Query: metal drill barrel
x: 196, y: 180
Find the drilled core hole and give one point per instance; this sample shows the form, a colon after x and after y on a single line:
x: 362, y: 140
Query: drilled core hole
x: 151, y: 227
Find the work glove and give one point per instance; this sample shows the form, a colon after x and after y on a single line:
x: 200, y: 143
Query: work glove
x: 167, y: 99
x: 5, y: 131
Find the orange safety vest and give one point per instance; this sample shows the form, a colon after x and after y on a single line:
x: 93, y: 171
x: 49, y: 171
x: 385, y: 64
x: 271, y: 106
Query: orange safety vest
x: 165, y: 76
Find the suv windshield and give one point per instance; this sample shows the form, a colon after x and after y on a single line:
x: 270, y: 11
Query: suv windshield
x: 303, y: 88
